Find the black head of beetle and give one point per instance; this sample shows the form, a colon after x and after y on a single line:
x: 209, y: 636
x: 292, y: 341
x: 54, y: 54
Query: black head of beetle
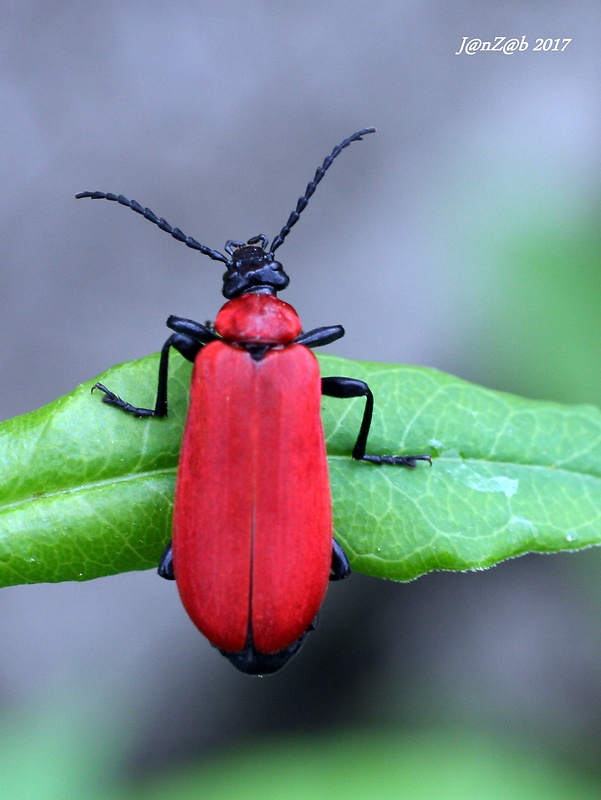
x: 253, y: 269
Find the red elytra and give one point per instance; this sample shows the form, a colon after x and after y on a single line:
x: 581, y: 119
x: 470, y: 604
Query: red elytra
x: 252, y: 532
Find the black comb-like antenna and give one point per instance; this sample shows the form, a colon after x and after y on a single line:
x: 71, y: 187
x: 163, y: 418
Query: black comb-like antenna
x: 163, y: 224
x: 302, y: 202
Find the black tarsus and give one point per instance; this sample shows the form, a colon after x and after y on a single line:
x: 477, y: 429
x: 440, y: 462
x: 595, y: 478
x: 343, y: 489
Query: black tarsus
x: 351, y: 387
x: 112, y: 399
x: 312, y: 185
x: 162, y: 224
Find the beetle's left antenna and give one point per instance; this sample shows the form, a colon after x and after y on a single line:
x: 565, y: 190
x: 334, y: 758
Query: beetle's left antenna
x: 163, y: 224
x: 302, y: 202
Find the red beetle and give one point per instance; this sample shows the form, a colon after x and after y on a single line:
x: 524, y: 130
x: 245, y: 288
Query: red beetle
x: 252, y: 548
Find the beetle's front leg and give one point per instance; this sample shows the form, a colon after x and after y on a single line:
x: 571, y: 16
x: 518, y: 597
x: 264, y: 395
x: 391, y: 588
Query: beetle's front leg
x: 160, y: 407
x: 351, y: 387
x: 188, y: 339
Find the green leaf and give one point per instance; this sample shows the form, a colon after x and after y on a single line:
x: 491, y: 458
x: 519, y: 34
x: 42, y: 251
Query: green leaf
x: 86, y: 490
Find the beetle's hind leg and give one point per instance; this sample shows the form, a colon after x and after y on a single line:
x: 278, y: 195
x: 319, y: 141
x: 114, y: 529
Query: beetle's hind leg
x: 165, y: 569
x: 340, y: 568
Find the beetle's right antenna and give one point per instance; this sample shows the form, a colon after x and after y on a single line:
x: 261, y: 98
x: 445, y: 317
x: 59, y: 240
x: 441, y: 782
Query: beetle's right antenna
x: 302, y: 202
x: 163, y: 224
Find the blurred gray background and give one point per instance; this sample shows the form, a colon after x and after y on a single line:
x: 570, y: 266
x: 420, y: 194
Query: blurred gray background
x: 464, y: 235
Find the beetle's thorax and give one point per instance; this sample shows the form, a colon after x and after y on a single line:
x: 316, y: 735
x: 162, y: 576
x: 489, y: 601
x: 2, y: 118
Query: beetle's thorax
x: 253, y: 269
x: 258, y: 318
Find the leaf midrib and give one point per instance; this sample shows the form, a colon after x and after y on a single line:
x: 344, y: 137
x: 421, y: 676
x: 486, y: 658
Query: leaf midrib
x: 132, y: 477
x: 129, y: 477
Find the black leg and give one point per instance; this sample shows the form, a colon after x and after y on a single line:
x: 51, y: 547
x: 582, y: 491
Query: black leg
x: 340, y: 565
x: 350, y: 387
x: 185, y: 345
x: 165, y: 569
x: 319, y: 337
x: 195, y: 332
